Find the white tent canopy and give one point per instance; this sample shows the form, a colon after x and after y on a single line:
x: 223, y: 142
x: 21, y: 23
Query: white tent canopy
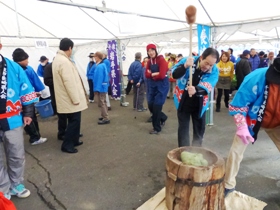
x: 88, y: 20
x: 90, y: 24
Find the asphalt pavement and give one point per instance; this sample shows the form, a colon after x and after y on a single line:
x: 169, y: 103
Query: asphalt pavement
x: 121, y: 165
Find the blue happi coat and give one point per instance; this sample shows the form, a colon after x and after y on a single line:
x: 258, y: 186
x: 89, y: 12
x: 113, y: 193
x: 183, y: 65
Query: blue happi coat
x: 207, y: 82
x: 19, y: 93
x: 34, y: 79
x: 249, y: 97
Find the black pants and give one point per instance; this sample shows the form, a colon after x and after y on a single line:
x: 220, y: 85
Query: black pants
x: 53, y: 99
x: 91, y: 93
x: 128, y: 88
x: 219, y: 97
x: 184, y: 126
x: 110, y: 90
x: 157, y: 115
x: 33, y: 129
x: 62, y: 124
x: 72, y: 132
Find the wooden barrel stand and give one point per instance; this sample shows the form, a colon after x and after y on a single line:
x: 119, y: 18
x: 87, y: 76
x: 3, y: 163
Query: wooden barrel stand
x: 194, y: 187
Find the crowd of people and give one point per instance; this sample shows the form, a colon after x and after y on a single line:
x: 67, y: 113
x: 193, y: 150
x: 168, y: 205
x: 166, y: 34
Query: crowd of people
x: 253, y: 106
x: 188, y: 80
x: 22, y: 87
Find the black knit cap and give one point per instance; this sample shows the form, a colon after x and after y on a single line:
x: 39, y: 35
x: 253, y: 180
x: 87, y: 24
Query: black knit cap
x: 19, y: 55
x: 273, y: 72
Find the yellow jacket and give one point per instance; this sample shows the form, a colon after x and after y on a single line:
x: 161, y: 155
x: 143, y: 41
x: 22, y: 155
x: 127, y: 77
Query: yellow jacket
x: 226, y: 69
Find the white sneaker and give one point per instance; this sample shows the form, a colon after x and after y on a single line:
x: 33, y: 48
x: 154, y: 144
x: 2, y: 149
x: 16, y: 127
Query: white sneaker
x: 20, y: 191
x: 40, y: 141
x: 91, y: 101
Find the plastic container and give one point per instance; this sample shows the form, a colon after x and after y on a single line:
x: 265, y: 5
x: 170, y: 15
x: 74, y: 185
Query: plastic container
x: 44, y: 108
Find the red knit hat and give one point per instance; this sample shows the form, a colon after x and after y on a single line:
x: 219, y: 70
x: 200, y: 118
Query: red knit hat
x: 151, y: 46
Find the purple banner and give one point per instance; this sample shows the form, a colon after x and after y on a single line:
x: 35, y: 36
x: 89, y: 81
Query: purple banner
x: 115, y: 71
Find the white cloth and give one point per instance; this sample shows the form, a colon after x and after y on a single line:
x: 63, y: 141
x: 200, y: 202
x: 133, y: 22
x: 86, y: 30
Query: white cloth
x: 237, y: 200
x: 46, y: 92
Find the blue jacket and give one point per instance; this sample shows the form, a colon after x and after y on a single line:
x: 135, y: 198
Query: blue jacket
x: 19, y: 93
x: 249, y: 97
x: 100, y: 78
x: 263, y: 63
x: 90, y: 70
x: 255, y: 62
x: 135, y: 71
x: 143, y: 76
x: 40, y: 70
x: 232, y: 58
x: 107, y: 64
x: 34, y: 79
x: 207, y: 82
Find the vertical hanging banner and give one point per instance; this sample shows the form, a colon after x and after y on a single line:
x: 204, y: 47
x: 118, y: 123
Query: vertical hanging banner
x: 203, y: 34
x: 115, y: 70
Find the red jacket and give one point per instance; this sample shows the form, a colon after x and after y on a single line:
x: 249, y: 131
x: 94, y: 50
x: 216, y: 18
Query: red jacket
x: 163, y: 68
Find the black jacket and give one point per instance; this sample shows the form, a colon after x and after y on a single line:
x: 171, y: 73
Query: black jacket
x: 242, y: 68
x: 48, y: 75
x: 187, y: 103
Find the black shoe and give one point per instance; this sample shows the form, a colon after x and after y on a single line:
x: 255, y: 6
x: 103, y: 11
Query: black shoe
x: 78, y: 144
x: 218, y: 107
x: 69, y: 150
x: 150, y: 119
x: 60, y: 137
x: 162, y: 123
x: 100, y: 118
x: 103, y: 122
x: 226, y: 105
x: 109, y: 108
x: 81, y: 135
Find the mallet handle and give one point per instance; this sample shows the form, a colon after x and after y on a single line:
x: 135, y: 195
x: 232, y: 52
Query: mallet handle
x: 190, y: 68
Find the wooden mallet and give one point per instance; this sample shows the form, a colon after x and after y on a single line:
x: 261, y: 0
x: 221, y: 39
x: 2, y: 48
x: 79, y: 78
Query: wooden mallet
x: 190, y: 17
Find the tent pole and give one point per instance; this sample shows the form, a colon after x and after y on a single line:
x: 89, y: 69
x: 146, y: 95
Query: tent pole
x: 277, y: 33
x: 212, y: 98
x: 122, y: 99
x: 220, y: 38
x: 103, y: 10
x: 207, y: 13
x: 19, y: 32
x: 98, y: 23
x: 28, y: 20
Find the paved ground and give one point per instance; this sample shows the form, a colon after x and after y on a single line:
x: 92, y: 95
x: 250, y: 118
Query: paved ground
x: 121, y: 165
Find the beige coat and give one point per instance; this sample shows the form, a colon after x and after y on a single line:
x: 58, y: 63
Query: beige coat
x: 68, y: 86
